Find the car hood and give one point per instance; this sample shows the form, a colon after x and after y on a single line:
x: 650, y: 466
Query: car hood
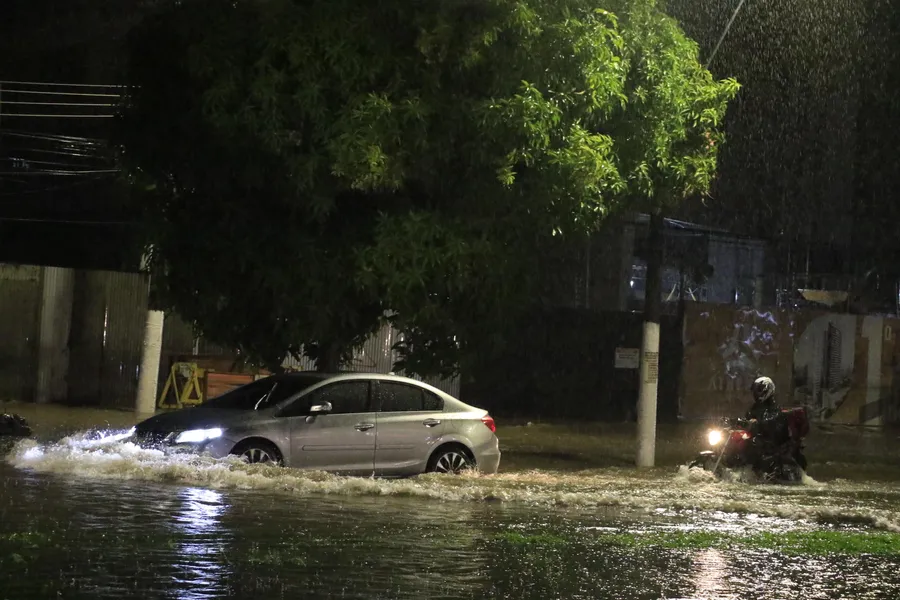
x: 194, y: 418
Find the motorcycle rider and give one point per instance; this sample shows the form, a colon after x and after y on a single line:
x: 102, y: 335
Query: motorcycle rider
x: 764, y: 406
x: 763, y: 420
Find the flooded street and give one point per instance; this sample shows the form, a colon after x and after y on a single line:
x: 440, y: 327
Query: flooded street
x: 82, y: 518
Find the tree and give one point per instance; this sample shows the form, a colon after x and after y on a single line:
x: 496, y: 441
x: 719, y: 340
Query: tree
x: 311, y: 164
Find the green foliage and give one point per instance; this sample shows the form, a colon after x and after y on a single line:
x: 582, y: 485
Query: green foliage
x: 311, y: 164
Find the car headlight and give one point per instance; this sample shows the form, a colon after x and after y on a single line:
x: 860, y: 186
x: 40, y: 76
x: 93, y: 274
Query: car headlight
x: 195, y: 436
x: 714, y: 437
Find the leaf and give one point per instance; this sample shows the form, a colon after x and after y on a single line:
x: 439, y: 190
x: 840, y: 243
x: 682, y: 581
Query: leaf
x: 346, y: 158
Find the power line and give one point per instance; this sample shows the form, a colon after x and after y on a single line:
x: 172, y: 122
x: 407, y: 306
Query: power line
x: 41, y: 93
x: 724, y: 33
x: 54, y: 137
x: 20, y: 103
x: 69, y: 221
x: 29, y: 161
x: 46, y: 116
x: 58, y: 153
x: 56, y: 188
x: 50, y: 83
x: 58, y: 172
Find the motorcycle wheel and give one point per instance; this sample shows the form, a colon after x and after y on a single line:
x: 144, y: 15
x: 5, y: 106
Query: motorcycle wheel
x: 707, y: 463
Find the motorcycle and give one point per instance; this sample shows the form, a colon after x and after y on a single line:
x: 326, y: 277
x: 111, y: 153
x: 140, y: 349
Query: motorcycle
x: 772, y: 448
x: 14, y: 425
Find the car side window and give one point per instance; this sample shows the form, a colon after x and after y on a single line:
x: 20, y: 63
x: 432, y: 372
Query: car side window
x: 433, y: 402
x: 285, y: 388
x: 346, y: 397
x: 401, y: 397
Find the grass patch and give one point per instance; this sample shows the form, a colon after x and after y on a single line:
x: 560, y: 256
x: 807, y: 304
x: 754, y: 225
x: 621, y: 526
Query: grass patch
x: 275, y: 556
x: 791, y: 543
x: 830, y: 542
x: 542, y: 539
x: 25, y: 539
x: 20, y: 548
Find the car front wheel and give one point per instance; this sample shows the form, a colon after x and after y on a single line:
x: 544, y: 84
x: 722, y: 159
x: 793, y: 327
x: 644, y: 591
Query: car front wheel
x: 259, y: 452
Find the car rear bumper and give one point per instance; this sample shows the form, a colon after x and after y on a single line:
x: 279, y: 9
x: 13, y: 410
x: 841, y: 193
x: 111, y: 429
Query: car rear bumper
x: 487, y: 457
x: 489, y: 464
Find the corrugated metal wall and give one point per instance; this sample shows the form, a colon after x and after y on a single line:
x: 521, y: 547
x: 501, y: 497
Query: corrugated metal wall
x: 377, y: 355
x: 108, y: 317
x: 20, y: 301
x: 105, y: 343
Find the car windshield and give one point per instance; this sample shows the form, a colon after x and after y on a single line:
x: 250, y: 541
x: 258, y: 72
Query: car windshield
x: 263, y: 393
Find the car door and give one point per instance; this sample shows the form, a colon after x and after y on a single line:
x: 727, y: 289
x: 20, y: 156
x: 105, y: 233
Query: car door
x: 342, y: 440
x: 410, y: 423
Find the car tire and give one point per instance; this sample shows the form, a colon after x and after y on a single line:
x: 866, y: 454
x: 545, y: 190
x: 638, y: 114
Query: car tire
x: 451, y: 460
x: 259, y: 452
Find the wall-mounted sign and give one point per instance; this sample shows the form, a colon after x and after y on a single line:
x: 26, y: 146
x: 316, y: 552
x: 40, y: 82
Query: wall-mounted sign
x: 628, y: 358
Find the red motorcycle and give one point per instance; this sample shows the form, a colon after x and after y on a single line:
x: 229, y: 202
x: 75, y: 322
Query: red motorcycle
x: 773, y: 448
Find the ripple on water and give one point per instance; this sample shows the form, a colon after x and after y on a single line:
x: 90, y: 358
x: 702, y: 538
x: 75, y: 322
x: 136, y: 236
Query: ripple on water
x: 684, y: 492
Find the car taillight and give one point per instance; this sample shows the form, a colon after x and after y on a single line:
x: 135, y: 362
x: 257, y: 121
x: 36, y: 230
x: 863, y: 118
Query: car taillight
x: 488, y: 421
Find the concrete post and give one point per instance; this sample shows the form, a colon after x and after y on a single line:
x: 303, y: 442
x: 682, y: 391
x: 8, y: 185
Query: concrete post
x: 57, y: 287
x: 758, y: 297
x: 647, y: 397
x: 148, y: 379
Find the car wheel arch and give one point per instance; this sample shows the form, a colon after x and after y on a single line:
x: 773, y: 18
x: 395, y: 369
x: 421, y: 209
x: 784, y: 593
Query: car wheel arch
x: 255, y: 439
x: 449, y: 445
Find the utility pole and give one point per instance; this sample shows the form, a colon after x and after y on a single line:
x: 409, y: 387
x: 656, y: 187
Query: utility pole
x: 649, y: 373
x: 148, y: 376
x: 648, y: 396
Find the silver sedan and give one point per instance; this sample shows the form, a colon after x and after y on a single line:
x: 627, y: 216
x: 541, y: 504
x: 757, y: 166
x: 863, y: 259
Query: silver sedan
x: 349, y: 423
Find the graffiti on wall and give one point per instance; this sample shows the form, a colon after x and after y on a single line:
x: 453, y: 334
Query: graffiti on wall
x: 841, y: 367
x: 823, y: 364
x: 844, y: 367
x: 724, y: 351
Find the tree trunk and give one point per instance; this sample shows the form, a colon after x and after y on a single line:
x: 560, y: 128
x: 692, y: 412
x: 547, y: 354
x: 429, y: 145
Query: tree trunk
x: 647, y: 399
x: 329, y: 360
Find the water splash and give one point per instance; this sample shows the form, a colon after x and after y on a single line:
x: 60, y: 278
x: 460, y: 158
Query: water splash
x: 686, y: 492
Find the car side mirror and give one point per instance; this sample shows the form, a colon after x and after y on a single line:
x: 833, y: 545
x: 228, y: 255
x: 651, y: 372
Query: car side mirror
x: 320, y: 409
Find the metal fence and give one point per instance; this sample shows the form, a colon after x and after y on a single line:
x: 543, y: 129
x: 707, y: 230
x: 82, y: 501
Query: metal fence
x: 104, y: 345
x: 377, y: 355
x: 109, y: 312
x: 20, y: 300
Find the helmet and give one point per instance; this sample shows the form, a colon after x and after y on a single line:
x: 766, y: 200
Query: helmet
x: 763, y: 389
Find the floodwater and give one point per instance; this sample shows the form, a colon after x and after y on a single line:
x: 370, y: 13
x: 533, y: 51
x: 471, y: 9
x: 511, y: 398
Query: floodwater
x: 88, y: 518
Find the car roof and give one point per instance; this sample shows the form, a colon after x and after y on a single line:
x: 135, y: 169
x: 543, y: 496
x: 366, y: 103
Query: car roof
x: 350, y: 375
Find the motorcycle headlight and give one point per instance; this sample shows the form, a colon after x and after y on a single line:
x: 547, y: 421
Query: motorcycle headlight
x: 714, y: 437
x: 196, y: 436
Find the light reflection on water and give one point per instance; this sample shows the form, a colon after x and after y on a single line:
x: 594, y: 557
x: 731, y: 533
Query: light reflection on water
x: 712, y: 569
x: 685, y: 495
x: 200, y: 554
x: 136, y: 539
x: 105, y: 520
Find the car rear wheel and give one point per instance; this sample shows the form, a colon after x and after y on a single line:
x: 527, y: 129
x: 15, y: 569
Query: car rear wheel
x: 259, y: 452
x: 451, y: 461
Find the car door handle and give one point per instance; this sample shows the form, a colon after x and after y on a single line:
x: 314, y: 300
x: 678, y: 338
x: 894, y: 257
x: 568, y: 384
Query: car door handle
x: 431, y: 422
x: 364, y: 426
